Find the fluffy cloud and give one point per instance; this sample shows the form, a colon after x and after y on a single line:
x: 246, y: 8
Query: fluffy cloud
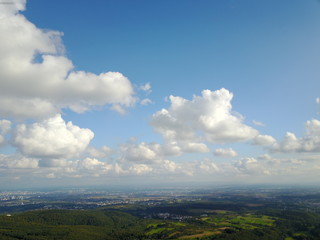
x: 12, y: 7
x: 263, y: 140
x: 208, y: 166
x: 92, y: 164
x: 250, y: 166
x: 37, y: 80
x: 195, y: 147
x: 309, y: 143
x: 170, y: 165
x: 140, y: 169
x: 17, y: 162
x: 51, y: 138
x: 142, y: 152
x: 208, y: 116
x: 225, y: 152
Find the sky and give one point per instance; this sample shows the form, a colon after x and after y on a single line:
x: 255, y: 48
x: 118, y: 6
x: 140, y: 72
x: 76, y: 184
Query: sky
x: 123, y: 92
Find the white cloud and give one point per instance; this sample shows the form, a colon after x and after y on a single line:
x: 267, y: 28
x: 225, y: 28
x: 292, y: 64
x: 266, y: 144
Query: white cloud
x: 22, y: 108
x: 263, y: 140
x: 118, y: 108
x: 142, y: 152
x: 250, y: 166
x: 155, y: 153
x: 146, y: 87
x: 140, y: 169
x: 52, y: 138
x: 102, y: 152
x: 118, y: 169
x: 313, y: 127
x: 171, y: 148
x: 309, y: 143
x: 208, y: 116
x: 11, y: 7
x: 257, y: 123
x: 170, y: 165
x: 265, y: 157
x: 208, y: 166
x: 38, y: 89
x: 93, y: 164
x: 146, y: 102
x: 225, y: 152
x: 192, y: 147
x: 17, y: 162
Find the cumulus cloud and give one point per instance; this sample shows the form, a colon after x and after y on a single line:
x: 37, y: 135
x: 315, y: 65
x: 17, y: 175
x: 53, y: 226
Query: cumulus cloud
x: 208, y: 166
x: 118, y: 169
x: 37, y: 81
x: 140, y: 169
x: 170, y: 165
x: 309, y: 143
x: 51, y: 138
x: 11, y: 7
x: 225, y: 152
x: 17, y: 162
x: 207, y: 117
x: 92, y: 164
x: 250, y: 166
x: 192, y: 147
x: 141, y: 152
x: 263, y: 140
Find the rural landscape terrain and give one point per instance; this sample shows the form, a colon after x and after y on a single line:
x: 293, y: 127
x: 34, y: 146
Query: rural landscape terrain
x: 181, y: 213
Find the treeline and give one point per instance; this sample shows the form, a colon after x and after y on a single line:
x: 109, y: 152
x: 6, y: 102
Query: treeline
x: 70, y: 224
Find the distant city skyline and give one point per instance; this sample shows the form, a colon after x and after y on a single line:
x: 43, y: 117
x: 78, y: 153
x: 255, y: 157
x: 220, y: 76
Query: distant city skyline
x: 159, y: 92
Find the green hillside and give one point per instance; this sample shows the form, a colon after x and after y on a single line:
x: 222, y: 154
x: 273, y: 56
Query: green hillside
x: 203, y: 221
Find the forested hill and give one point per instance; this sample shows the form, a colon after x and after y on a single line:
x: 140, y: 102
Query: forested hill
x: 194, y: 220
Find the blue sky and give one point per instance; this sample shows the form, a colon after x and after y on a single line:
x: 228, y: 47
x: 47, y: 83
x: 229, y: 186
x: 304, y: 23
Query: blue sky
x: 241, y: 75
